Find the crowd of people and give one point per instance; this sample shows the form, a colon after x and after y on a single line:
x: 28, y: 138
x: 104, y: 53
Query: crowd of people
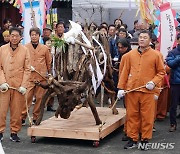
x: 138, y: 66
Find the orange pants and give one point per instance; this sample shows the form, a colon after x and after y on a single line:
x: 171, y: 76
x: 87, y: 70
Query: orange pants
x: 38, y: 92
x: 125, y: 123
x: 14, y: 100
x: 162, y: 104
x: 140, y: 115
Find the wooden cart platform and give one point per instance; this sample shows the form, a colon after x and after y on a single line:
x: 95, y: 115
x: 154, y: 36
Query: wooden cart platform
x: 80, y: 125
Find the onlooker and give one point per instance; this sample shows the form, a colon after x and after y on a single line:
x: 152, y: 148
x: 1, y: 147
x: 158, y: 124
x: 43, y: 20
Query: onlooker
x: 47, y: 31
x: 103, y: 30
x: 6, y: 37
x: 6, y: 25
x: 104, y: 24
x: 20, y: 27
x: 123, y: 47
x: 92, y: 27
x: 60, y: 28
x: 113, y: 43
x: 118, y: 22
x: 124, y: 26
x: 122, y: 33
x: 136, y: 27
x: 178, y: 28
x: 173, y: 61
x: 112, y: 32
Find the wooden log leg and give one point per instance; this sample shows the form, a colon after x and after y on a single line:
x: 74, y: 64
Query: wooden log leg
x: 114, y: 110
x: 102, y: 96
x: 57, y: 111
x: 43, y: 102
x: 93, y: 109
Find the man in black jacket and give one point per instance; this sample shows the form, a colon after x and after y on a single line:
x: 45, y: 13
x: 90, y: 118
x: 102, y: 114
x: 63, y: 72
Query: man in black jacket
x: 173, y: 61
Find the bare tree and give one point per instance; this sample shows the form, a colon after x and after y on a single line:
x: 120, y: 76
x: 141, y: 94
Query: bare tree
x: 89, y: 12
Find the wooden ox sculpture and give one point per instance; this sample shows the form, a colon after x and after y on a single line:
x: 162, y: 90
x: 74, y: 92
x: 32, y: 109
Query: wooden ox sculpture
x: 73, y: 81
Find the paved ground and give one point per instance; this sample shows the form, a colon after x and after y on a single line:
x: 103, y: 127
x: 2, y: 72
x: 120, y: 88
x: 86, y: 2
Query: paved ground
x: 112, y: 144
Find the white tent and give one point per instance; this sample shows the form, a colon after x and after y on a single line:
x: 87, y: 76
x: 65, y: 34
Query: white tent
x: 108, y: 10
x: 104, y: 3
x: 116, y: 3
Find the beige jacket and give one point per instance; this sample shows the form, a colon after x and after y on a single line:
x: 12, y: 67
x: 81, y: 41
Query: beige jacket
x: 14, y: 66
x: 40, y: 60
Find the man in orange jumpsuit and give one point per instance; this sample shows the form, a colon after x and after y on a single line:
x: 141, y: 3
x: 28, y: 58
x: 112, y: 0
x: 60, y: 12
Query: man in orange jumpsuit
x: 162, y: 104
x: 141, y: 67
x: 41, y: 61
x: 14, y: 72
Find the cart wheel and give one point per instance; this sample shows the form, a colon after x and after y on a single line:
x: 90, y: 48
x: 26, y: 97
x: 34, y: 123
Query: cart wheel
x: 95, y: 144
x: 33, y: 139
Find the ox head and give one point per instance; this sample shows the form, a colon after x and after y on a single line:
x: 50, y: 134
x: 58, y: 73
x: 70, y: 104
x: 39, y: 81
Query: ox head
x: 69, y: 99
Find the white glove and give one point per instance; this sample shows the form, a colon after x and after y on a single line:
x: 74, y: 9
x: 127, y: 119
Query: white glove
x: 156, y: 97
x: 115, y: 59
x: 22, y: 90
x: 120, y: 94
x: 150, y: 85
x: 4, y: 87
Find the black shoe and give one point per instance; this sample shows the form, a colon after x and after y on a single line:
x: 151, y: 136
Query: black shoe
x: 131, y: 144
x: 125, y: 138
x: 23, y: 122
x: 154, y: 129
x: 1, y: 137
x: 14, y: 137
x: 49, y: 108
x: 172, y: 128
x: 144, y: 145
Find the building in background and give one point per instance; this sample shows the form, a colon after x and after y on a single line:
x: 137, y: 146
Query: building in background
x: 99, y: 11
x: 7, y: 10
x: 64, y: 9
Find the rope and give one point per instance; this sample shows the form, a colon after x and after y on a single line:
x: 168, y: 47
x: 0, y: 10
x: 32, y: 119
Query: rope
x: 103, y: 123
x: 25, y: 96
x: 110, y: 91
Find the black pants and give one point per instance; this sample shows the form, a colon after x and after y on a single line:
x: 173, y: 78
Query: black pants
x: 175, y: 97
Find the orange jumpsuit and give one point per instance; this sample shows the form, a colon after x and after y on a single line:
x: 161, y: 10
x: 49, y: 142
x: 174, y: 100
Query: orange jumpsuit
x: 14, y: 70
x: 162, y: 104
x: 137, y: 70
x: 41, y: 61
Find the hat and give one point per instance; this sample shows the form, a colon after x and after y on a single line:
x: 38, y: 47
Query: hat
x: 48, y: 27
x: 5, y: 33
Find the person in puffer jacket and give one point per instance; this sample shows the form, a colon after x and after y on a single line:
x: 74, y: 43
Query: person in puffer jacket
x: 173, y: 61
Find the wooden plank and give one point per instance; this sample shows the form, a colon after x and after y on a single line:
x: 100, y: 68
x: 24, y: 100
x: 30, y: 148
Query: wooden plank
x: 80, y: 125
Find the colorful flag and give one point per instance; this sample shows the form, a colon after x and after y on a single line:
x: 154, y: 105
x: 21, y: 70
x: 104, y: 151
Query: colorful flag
x: 167, y: 31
